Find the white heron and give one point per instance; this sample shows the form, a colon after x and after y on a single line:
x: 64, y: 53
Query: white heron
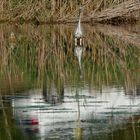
x: 78, y: 32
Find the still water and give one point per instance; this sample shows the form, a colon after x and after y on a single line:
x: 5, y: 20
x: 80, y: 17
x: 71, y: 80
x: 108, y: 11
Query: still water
x: 51, y: 89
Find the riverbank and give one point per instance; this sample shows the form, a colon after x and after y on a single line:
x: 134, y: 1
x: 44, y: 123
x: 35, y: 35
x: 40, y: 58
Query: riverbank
x: 40, y: 12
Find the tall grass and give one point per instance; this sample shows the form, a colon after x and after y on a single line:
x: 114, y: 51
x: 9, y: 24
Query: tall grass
x: 39, y: 54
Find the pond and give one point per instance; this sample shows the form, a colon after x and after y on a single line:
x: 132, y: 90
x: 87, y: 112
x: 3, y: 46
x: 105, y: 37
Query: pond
x: 51, y: 89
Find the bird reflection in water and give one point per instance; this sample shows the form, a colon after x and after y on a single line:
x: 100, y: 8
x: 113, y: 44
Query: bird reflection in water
x: 78, y: 50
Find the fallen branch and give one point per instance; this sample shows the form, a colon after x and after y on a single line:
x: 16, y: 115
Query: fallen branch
x: 122, y: 11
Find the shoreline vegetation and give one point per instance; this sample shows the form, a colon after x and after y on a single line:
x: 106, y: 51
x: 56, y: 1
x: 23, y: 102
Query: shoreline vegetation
x: 66, y: 11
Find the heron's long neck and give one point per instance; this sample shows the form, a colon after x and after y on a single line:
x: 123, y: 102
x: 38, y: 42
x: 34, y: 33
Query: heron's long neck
x: 79, y: 20
x: 78, y: 32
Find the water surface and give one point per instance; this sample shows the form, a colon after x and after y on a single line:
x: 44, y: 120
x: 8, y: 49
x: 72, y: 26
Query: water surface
x: 52, y: 89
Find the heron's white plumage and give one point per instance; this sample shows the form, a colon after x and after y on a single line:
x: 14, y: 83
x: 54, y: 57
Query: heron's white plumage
x: 78, y: 31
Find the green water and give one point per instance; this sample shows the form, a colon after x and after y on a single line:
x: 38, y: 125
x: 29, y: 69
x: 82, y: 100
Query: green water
x: 51, y: 91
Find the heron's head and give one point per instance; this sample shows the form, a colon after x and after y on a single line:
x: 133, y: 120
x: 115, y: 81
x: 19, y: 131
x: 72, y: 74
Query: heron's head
x: 80, y: 9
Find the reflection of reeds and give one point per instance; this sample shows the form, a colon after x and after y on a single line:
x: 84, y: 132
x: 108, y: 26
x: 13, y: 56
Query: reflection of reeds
x: 7, y: 126
x: 49, y: 50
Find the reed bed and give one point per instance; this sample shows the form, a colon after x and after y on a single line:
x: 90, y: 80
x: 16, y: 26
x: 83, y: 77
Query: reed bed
x: 39, y: 54
x: 52, y: 11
